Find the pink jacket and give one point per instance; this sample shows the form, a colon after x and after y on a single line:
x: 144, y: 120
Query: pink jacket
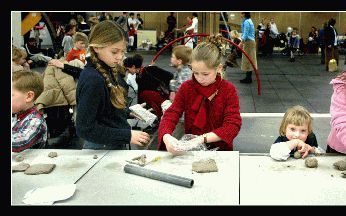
x: 337, y: 135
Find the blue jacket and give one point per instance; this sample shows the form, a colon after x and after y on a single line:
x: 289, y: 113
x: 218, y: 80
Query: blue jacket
x: 248, y: 30
x: 98, y: 121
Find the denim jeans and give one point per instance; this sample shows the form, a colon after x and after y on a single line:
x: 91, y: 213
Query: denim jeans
x: 96, y: 146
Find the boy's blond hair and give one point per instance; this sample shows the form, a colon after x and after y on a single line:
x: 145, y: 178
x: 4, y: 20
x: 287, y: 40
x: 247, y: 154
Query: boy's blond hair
x: 18, y: 53
x: 296, y: 115
x: 26, y: 80
x: 234, y: 34
x: 183, y: 53
x: 80, y: 36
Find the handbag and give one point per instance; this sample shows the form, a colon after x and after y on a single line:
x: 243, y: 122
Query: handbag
x: 332, y: 64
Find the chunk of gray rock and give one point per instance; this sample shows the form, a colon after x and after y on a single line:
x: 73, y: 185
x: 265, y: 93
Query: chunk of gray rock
x: 297, y: 155
x: 340, y: 165
x: 21, y: 167
x: 311, y: 162
x: 53, y: 154
x: 204, y: 166
x: 37, y: 169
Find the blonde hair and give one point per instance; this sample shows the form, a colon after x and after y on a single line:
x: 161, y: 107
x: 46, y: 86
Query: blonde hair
x: 26, y: 80
x: 210, y: 52
x: 183, y: 52
x: 296, y: 115
x: 80, y: 36
x: 234, y: 34
x: 18, y: 53
x: 105, y: 34
x: 80, y: 18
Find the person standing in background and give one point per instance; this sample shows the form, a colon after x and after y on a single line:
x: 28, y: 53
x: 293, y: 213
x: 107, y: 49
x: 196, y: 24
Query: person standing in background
x: 141, y: 22
x: 321, y: 41
x: 248, y: 43
x: 194, y: 26
x: 331, y: 42
x: 171, y: 22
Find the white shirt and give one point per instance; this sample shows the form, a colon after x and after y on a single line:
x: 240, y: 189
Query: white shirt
x: 273, y: 28
x: 280, y: 151
x: 133, y: 21
x: 131, y: 80
x: 194, y: 25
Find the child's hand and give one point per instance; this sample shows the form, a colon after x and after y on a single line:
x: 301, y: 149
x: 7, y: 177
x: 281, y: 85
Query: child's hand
x: 171, y: 144
x: 56, y: 63
x: 139, y: 138
x: 305, y: 149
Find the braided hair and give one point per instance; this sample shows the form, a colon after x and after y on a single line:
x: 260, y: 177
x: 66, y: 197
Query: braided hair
x: 105, y: 34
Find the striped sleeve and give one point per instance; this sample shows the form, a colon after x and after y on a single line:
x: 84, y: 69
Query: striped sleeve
x: 28, y: 134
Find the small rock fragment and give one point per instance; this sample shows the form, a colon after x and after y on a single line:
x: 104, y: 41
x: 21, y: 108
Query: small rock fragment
x: 19, y: 158
x: 37, y: 169
x: 95, y: 157
x: 343, y: 174
x: 297, y: 155
x: 311, y: 162
x: 204, y: 166
x: 340, y: 165
x: 52, y: 154
x: 20, y: 167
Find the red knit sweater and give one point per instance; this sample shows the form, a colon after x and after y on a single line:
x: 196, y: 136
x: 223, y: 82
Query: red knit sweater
x: 223, y: 117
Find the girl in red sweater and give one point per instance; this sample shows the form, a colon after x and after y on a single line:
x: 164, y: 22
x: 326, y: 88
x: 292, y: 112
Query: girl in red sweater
x: 210, y: 103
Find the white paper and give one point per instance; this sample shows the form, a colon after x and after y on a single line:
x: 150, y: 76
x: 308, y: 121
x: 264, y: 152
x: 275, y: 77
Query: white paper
x: 48, y: 195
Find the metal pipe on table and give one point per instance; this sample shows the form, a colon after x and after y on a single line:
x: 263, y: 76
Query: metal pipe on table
x: 169, y: 178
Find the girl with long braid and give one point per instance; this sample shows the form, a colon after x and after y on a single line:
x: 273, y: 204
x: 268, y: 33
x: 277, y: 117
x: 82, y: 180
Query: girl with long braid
x: 101, y: 93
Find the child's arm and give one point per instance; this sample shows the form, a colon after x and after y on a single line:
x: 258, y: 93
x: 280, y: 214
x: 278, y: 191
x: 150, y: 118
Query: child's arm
x: 281, y: 150
x: 27, y: 135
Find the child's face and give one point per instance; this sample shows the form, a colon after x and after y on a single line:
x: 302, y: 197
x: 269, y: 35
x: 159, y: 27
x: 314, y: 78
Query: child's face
x: 174, y: 61
x: 80, y: 45
x: 112, y: 55
x: 297, y: 132
x: 19, y: 100
x: 133, y: 70
x: 204, y: 75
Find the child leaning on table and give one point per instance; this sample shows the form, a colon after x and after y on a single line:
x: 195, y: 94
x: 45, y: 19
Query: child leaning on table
x: 295, y: 135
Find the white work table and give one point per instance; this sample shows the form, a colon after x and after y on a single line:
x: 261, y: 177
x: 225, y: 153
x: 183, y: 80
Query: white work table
x: 245, y: 179
x: 107, y: 183
x: 70, y: 166
x: 264, y: 181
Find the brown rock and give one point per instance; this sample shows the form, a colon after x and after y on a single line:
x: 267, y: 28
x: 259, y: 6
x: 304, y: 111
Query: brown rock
x: 340, y: 165
x: 53, y: 154
x: 204, y: 166
x: 311, y: 162
x: 37, y: 169
x: 20, y: 167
